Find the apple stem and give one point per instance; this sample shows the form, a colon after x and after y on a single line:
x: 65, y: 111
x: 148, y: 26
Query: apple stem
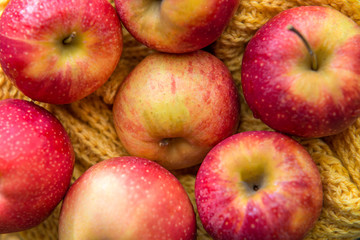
x: 314, y: 63
x: 164, y: 142
x: 70, y: 38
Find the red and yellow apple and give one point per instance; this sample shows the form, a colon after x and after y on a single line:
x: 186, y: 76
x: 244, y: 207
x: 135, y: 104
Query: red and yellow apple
x: 258, y: 185
x: 127, y: 198
x: 59, y: 51
x: 308, y: 91
x: 173, y: 108
x: 36, y: 164
x: 3, y: 4
x: 176, y: 26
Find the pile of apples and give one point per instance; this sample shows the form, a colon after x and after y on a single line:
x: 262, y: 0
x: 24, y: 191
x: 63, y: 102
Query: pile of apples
x: 178, y: 108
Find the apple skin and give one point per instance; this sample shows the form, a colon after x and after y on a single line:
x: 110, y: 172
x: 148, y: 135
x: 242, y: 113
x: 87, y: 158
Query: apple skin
x: 189, y: 100
x: 176, y: 26
x: 127, y: 198
x: 289, y: 197
x: 34, y: 57
x: 36, y: 164
x: 281, y: 88
x: 3, y: 4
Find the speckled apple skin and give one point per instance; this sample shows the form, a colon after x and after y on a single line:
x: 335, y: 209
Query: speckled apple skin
x: 176, y: 26
x: 33, y: 57
x: 279, y: 85
x: 127, y: 198
x: 36, y: 164
x: 284, y: 208
x: 186, y: 96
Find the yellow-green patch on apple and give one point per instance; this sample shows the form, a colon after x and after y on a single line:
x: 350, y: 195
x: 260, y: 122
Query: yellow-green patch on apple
x: 166, y: 115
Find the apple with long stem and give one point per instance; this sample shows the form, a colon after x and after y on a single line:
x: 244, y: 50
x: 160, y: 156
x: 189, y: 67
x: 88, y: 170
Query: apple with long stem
x: 258, y: 185
x: 176, y: 26
x: 36, y: 164
x: 173, y: 108
x: 127, y: 198
x: 59, y: 51
x: 301, y: 72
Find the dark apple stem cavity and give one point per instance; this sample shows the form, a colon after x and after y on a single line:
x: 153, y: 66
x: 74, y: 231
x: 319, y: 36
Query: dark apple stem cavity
x: 164, y: 142
x: 256, y: 187
x: 69, y: 39
x: 314, y: 63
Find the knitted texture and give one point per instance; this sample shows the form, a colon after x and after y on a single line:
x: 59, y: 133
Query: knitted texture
x: 89, y: 123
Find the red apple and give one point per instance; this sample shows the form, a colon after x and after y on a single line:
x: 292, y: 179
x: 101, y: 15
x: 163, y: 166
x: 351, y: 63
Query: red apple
x: 176, y: 26
x: 294, y: 91
x: 258, y: 185
x: 36, y: 164
x: 127, y: 198
x: 59, y: 51
x: 174, y: 108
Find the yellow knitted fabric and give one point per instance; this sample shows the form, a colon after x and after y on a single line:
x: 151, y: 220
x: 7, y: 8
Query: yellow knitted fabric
x: 90, y: 125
